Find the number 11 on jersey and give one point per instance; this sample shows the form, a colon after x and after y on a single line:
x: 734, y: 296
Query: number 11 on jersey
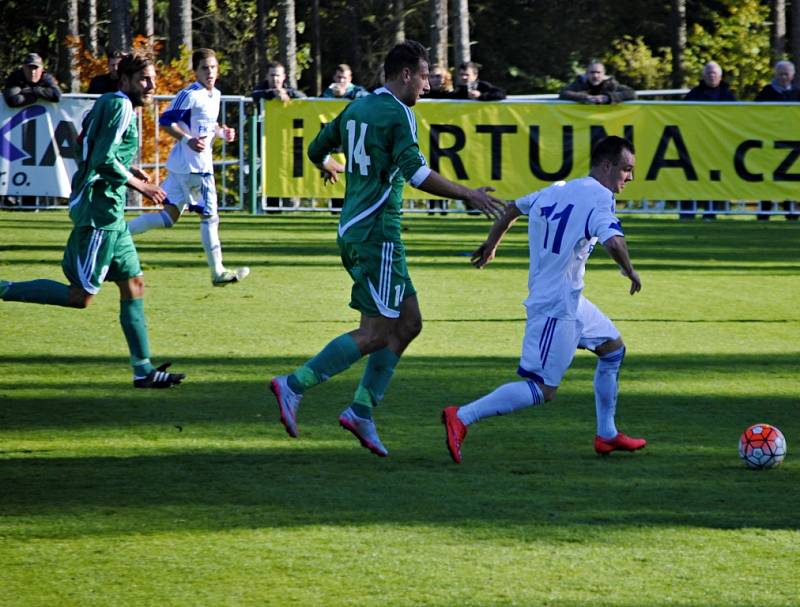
x: 355, y: 149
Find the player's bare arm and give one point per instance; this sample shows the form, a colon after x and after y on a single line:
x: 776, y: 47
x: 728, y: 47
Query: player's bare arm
x: 486, y: 252
x: 618, y: 250
x: 478, y: 198
x: 148, y: 190
x: 140, y: 174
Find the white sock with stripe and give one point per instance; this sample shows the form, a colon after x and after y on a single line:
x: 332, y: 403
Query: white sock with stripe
x: 209, y: 235
x: 505, y: 399
x: 606, y: 386
x: 148, y: 221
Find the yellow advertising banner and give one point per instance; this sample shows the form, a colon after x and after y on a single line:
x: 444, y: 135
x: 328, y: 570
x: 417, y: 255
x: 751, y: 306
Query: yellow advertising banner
x: 700, y: 151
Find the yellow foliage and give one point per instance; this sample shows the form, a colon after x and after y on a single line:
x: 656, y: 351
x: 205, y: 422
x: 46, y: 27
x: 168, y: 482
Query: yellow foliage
x: 172, y: 77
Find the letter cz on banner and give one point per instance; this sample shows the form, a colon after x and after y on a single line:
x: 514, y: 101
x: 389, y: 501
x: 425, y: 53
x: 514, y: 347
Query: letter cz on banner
x: 702, y: 151
x: 38, y: 147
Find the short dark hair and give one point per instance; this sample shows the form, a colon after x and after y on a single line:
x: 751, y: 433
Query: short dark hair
x: 134, y: 62
x: 406, y: 54
x: 610, y: 148
x: 199, y: 54
x: 470, y: 65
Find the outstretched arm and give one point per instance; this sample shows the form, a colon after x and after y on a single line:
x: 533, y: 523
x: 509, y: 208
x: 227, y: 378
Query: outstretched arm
x: 477, y: 199
x: 485, y: 253
x: 618, y: 250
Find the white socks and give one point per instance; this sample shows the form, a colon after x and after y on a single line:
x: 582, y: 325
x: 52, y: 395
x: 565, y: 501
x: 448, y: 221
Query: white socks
x: 209, y: 235
x: 606, y: 386
x: 148, y: 221
x: 505, y: 399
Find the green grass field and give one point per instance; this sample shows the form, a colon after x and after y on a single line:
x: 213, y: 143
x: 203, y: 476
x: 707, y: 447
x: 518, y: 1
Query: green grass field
x: 196, y: 495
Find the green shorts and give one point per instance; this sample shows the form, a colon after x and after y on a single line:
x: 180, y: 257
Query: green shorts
x: 93, y: 255
x: 380, y: 276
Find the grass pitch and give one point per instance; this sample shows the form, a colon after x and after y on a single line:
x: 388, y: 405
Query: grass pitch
x: 196, y: 496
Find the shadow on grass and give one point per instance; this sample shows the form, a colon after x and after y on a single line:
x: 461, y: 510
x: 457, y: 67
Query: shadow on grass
x: 212, y: 456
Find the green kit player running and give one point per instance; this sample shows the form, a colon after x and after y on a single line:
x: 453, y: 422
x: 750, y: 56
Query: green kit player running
x: 378, y: 134
x: 100, y: 247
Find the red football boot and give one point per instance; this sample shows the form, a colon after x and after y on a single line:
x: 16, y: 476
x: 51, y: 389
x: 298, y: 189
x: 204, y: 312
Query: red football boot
x: 620, y: 442
x: 456, y: 432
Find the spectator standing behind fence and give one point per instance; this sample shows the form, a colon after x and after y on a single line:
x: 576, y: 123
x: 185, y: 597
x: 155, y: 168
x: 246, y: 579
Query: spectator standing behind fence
x: 108, y: 82
x: 595, y: 86
x: 780, y: 89
x: 30, y: 83
x: 711, y: 88
x: 441, y: 82
x: 342, y: 86
x: 471, y: 87
x: 274, y: 87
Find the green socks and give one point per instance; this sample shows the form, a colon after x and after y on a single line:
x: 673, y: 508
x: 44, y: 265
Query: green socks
x: 41, y: 291
x: 334, y: 358
x: 376, y: 378
x: 337, y: 356
x: 134, y: 326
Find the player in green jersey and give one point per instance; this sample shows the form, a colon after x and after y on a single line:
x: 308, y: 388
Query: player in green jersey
x: 100, y: 247
x: 378, y: 134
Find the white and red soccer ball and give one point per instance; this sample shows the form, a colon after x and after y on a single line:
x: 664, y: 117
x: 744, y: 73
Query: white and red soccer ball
x: 762, y: 446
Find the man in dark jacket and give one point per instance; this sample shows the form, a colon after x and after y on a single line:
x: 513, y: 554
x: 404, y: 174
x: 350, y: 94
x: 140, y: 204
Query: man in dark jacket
x: 596, y: 87
x: 108, y: 82
x: 470, y: 87
x: 29, y: 83
x: 712, y: 87
x: 781, y: 87
x: 274, y: 87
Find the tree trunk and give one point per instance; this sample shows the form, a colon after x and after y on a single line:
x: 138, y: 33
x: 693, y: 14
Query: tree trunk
x: 678, y: 41
x: 461, y: 48
x: 438, y: 26
x: 147, y: 21
x: 287, y: 35
x: 317, y: 50
x: 778, y: 29
x: 262, y: 10
x: 795, y: 38
x: 68, y: 69
x: 399, y: 21
x: 119, y: 35
x: 180, y: 27
x: 91, y: 27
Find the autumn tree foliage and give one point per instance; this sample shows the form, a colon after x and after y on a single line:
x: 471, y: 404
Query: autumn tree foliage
x: 173, y: 75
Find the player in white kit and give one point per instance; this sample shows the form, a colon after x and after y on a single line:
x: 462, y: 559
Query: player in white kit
x: 192, y: 119
x: 565, y: 221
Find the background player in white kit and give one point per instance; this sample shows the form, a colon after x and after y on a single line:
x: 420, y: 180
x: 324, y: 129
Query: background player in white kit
x: 192, y: 120
x: 565, y: 221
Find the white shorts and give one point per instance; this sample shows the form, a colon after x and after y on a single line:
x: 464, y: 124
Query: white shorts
x: 197, y: 191
x: 549, y: 344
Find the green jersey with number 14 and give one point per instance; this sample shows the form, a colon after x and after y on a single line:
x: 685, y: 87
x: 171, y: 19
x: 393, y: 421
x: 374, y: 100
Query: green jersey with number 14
x: 378, y: 134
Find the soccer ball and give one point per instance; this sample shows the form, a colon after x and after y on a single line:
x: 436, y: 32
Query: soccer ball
x: 762, y: 446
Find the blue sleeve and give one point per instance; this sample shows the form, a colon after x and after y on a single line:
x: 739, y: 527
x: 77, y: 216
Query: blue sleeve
x: 180, y: 110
